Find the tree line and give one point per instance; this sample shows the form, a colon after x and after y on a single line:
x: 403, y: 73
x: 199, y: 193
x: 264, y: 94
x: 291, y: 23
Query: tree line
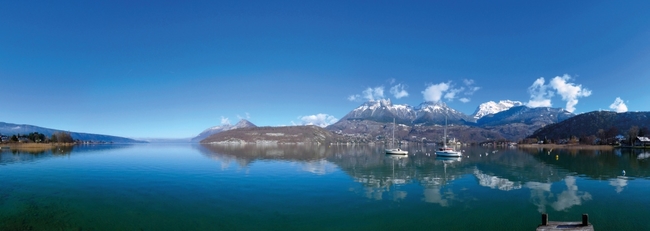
x: 35, y: 137
x: 610, y: 136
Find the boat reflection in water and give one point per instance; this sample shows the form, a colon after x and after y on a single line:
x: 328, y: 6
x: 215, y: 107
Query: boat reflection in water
x: 448, y: 159
x: 455, y: 182
x: 304, y: 187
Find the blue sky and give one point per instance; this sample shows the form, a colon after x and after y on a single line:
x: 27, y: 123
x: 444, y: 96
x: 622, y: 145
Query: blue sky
x: 171, y: 69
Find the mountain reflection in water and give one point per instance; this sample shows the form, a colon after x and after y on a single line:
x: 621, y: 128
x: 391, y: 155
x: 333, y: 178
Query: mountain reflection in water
x: 311, y: 187
x: 549, y: 175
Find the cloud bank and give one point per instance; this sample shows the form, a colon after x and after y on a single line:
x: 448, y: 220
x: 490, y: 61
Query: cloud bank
x: 618, y: 105
x: 399, y: 91
x: 321, y: 120
x: 377, y: 93
x: 446, y: 90
x: 541, y: 93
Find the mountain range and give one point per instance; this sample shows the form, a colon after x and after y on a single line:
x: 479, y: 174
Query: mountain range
x: 426, y: 113
x: 505, y: 119
x: 308, y: 134
x: 13, y: 129
x: 373, y: 120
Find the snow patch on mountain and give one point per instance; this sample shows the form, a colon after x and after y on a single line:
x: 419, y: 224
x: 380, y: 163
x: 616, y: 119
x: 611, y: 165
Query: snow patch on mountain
x: 382, y: 109
x: 425, y: 113
x: 221, y: 128
x: 491, y: 107
x: 437, y: 113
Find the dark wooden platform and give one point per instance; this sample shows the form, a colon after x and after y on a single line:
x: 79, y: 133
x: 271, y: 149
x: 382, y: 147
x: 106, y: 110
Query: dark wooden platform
x: 583, y: 225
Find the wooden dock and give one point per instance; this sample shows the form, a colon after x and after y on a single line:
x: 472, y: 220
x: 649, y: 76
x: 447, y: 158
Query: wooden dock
x: 583, y: 225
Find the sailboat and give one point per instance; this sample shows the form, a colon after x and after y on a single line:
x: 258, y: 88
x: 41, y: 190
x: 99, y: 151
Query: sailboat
x: 445, y: 151
x: 392, y: 150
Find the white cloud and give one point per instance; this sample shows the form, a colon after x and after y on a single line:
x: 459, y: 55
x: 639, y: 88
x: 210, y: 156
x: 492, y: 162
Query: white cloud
x: 373, y: 93
x: 369, y: 94
x: 225, y: 120
x: 470, y: 86
x: 321, y: 120
x: 539, y: 96
x: 569, y: 91
x: 452, y: 92
x: 356, y: 97
x: 541, y: 93
x: 618, y: 105
x: 434, y: 92
x: 399, y: 91
x: 377, y: 93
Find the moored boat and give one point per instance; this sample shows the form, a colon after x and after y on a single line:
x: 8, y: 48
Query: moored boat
x: 392, y: 150
x: 445, y: 151
x: 396, y: 151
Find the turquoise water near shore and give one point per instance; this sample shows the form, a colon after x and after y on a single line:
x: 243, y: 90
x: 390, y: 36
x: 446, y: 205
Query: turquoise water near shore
x: 195, y: 187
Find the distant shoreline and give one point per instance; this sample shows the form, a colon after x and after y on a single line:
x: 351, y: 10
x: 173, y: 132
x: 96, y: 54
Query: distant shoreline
x: 568, y: 146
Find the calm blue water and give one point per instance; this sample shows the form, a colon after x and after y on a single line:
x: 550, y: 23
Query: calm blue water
x: 194, y: 187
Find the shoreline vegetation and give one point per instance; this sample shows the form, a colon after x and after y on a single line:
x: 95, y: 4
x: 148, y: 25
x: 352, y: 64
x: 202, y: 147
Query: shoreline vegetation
x: 568, y: 146
x: 35, y: 147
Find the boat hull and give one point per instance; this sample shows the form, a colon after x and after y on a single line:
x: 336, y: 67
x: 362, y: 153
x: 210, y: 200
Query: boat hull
x: 396, y: 151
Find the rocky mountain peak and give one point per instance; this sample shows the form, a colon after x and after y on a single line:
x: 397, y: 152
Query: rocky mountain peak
x: 221, y: 128
x: 491, y: 107
x: 375, y: 104
x: 243, y: 123
x: 432, y: 106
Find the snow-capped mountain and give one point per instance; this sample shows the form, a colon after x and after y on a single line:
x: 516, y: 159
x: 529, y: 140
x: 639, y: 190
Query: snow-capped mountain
x: 430, y: 113
x: 220, y: 128
x: 506, y: 119
x: 382, y: 111
x: 540, y: 116
x: 491, y: 108
x: 425, y: 113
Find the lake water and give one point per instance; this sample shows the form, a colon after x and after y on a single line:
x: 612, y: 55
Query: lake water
x: 194, y: 187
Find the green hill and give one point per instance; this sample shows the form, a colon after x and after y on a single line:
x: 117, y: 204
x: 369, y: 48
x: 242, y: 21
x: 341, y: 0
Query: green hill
x: 601, y: 124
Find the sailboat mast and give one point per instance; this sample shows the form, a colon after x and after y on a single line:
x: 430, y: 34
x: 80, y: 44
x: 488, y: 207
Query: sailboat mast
x: 392, y: 142
x: 444, y: 139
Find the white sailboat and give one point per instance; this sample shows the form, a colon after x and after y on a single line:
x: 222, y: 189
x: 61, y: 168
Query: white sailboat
x: 445, y: 151
x: 392, y: 150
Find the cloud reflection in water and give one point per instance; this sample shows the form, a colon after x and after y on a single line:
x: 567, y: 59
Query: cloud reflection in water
x: 619, y: 183
x: 540, y: 194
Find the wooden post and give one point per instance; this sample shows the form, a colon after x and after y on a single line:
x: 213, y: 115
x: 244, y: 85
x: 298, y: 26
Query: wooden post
x: 544, y: 219
x: 585, y: 219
